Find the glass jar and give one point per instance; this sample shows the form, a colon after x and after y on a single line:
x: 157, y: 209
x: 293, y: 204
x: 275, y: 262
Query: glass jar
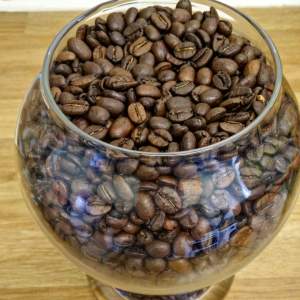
x: 159, y: 223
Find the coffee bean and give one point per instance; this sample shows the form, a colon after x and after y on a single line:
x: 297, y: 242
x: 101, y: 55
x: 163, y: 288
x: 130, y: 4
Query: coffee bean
x: 185, y: 50
x: 183, y: 88
x: 222, y: 81
x: 215, y: 114
x: 137, y: 113
x: 155, y: 265
x: 202, y: 57
x: 231, y: 126
x: 114, y: 53
x: 168, y: 200
x: 225, y: 65
x: 147, y: 90
x: 80, y: 48
x: 98, y: 115
x: 140, y: 47
x: 144, y: 206
x: 161, y: 21
x: 158, y: 249
x: 186, y: 73
x: 188, y: 141
x: 180, y: 265
x: 182, y: 246
x: 180, y: 109
x: 211, y: 96
x: 140, y: 135
x: 160, y: 138
x: 223, y: 177
x: 116, y: 22
x: 75, y: 107
x: 121, y: 127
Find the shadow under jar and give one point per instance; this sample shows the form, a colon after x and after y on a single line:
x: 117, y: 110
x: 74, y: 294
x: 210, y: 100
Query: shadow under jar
x: 159, y: 223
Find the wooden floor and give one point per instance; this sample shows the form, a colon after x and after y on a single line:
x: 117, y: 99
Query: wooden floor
x: 30, y: 267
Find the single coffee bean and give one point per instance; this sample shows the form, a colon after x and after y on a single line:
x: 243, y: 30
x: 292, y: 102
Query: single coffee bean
x: 182, y: 246
x: 215, y: 114
x: 203, y: 57
x: 183, y: 88
x: 222, y: 81
x: 159, y: 50
x: 188, y: 141
x: 140, y: 135
x: 161, y: 21
x: 231, y: 127
x: 121, y: 127
x: 185, y: 50
x: 75, y: 107
x: 160, y: 138
x: 224, y: 64
x: 155, y: 265
x: 116, y: 22
x: 201, y: 109
x: 140, y: 47
x: 160, y: 123
x: 186, y: 73
x: 98, y: 115
x: 158, y: 249
x: 168, y: 200
x: 211, y: 96
x: 137, y: 113
x: 204, y: 76
x: 180, y: 109
x: 80, y: 48
x: 145, y: 207
x: 147, y: 90
x: 171, y: 40
x: 177, y: 29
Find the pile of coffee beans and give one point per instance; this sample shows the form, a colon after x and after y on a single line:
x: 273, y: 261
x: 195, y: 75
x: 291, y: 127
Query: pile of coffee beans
x: 161, y: 79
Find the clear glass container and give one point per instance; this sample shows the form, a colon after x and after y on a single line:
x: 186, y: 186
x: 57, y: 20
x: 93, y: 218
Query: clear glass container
x: 208, y: 212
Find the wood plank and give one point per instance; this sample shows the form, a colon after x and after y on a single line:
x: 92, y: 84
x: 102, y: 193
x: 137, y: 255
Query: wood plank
x: 31, y: 268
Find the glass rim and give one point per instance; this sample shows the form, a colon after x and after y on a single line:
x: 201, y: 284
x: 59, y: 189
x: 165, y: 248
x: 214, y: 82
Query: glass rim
x: 51, y: 104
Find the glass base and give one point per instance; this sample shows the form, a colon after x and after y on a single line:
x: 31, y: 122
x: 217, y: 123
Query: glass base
x: 215, y: 292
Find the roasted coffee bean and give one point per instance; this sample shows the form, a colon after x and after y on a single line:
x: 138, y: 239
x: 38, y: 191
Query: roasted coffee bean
x: 75, y: 107
x: 231, y: 126
x: 145, y: 207
x: 180, y: 109
x: 188, y: 141
x: 183, y: 88
x: 140, y: 47
x: 161, y: 21
x: 195, y: 123
x: 114, y: 53
x: 225, y: 65
x: 223, y: 177
x: 160, y: 138
x: 98, y: 115
x: 177, y: 29
x: 222, y: 81
x: 155, y: 265
x: 204, y: 76
x: 203, y: 57
x: 116, y: 22
x: 137, y: 113
x: 80, y: 48
x: 215, y: 114
x: 148, y: 90
x: 182, y: 246
x: 121, y: 127
x: 140, y: 135
x: 158, y: 249
x: 113, y: 106
x: 185, y: 50
x: 168, y: 200
x: 201, y: 109
x: 186, y: 74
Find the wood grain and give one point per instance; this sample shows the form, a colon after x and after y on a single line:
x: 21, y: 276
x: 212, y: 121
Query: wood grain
x: 30, y: 267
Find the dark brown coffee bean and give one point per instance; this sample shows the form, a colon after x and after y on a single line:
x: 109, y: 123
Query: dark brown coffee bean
x: 222, y: 81
x: 185, y: 4
x: 65, y: 56
x: 127, y: 166
x: 183, y: 88
x: 147, y: 90
x: 147, y: 173
x: 161, y: 21
x: 188, y: 141
x: 145, y: 207
x: 115, y: 107
x: 185, y: 170
x: 204, y: 76
x: 186, y: 73
x: 180, y: 109
x: 177, y: 29
x: 131, y: 15
x: 171, y: 40
x: 160, y: 138
x: 166, y: 75
x: 148, y: 59
x: 223, y: 177
x: 185, y: 50
x: 181, y: 15
x: 182, y: 246
x: 201, y: 109
x: 152, y: 33
x: 202, y: 57
x: 98, y: 115
x: 155, y: 265
x: 121, y: 127
x: 160, y: 123
x: 231, y: 127
x: 201, y: 229
x: 252, y: 68
x: 158, y: 249
x: 80, y: 48
x: 75, y: 108
x: 140, y: 47
x: 98, y: 132
x: 225, y: 65
x: 215, y: 114
x: 211, y: 96
x: 137, y: 113
x: 140, y: 135
x: 159, y: 50
x: 168, y: 200
x: 195, y: 123
x: 114, y: 53
x: 58, y: 81
x: 116, y: 22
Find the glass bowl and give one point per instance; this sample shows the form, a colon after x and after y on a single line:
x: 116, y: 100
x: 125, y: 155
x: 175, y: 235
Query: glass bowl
x: 160, y: 223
